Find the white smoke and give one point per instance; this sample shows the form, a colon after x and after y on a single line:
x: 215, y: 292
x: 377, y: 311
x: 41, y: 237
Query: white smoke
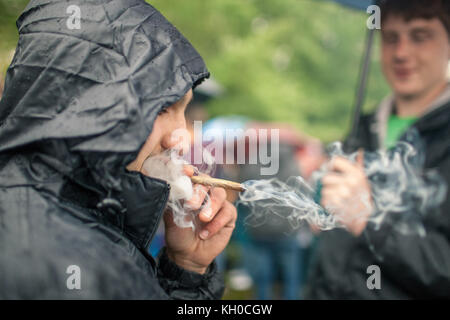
x: 402, y: 193
x: 169, y: 166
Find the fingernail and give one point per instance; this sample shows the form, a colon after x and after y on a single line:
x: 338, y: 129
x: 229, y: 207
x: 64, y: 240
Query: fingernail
x: 204, y: 234
x: 207, y: 213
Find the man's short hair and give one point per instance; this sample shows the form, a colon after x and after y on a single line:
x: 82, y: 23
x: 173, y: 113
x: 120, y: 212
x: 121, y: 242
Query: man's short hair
x: 414, y: 9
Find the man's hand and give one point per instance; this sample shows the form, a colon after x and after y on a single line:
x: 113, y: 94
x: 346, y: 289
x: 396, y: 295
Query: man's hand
x: 195, y: 250
x: 346, y: 193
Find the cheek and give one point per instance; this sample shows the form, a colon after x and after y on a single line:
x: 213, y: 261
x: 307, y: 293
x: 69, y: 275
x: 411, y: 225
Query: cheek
x: 436, y: 51
x: 147, y: 149
x: 156, y: 136
x: 434, y: 61
x: 386, y: 62
x: 152, y: 145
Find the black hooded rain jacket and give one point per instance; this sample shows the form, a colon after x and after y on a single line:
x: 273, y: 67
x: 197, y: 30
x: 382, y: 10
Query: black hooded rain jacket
x: 78, y: 105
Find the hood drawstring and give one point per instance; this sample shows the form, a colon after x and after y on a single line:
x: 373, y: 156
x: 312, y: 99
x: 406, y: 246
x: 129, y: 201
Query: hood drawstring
x: 115, y: 209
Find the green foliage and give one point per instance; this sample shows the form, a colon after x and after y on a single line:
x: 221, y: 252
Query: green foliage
x: 9, y: 12
x: 295, y: 61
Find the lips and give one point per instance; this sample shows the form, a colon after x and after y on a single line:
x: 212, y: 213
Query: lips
x: 402, y: 73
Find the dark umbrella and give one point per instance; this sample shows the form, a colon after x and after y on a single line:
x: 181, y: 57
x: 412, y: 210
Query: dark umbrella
x: 363, y: 74
x: 356, y: 4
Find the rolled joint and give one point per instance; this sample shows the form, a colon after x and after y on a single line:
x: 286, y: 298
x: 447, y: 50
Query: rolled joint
x: 221, y: 183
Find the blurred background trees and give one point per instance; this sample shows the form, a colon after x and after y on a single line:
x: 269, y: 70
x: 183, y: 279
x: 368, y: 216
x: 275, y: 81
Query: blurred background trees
x: 293, y: 61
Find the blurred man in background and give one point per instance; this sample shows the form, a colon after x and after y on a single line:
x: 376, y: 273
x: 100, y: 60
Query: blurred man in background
x: 415, y: 51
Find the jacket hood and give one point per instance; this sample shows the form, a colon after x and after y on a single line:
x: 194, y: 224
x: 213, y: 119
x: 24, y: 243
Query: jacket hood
x: 79, y: 104
x: 89, y: 96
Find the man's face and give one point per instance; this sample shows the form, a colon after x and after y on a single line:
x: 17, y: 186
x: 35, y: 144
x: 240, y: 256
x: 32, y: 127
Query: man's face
x: 161, y: 138
x: 415, y: 54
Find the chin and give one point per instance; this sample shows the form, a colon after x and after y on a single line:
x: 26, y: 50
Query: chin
x: 407, y: 90
x: 406, y: 94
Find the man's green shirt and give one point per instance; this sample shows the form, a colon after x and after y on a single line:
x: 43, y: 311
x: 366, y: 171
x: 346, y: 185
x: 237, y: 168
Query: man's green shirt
x: 396, y: 127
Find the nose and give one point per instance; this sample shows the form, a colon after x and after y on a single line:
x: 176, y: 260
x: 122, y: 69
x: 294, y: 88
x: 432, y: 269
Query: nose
x: 402, y: 50
x: 176, y: 137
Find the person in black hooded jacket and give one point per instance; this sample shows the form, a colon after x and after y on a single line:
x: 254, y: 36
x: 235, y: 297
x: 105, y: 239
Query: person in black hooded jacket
x: 85, y: 103
x: 415, y: 54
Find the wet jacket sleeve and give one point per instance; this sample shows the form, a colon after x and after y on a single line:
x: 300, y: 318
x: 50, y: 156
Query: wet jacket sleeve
x: 421, y: 265
x: 183, y: 284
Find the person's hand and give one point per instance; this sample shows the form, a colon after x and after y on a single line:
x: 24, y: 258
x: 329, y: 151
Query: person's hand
x: 346, y: 193
x: 195, y: 250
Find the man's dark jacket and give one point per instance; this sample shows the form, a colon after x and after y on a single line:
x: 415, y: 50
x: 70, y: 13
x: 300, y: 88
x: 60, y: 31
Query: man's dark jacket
x: 77, y: 107
x: 411, y: 266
